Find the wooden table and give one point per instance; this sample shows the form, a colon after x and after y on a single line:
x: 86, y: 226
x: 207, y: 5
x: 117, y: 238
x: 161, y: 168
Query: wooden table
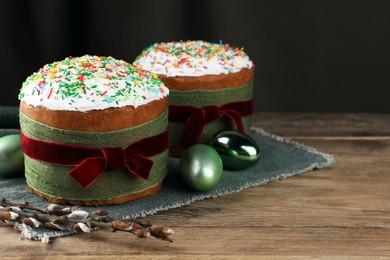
x: 335, y: 212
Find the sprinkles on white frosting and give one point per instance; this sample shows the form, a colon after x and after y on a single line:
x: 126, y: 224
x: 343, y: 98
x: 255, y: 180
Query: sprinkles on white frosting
x: 91, y: 83
x: 193, y: 58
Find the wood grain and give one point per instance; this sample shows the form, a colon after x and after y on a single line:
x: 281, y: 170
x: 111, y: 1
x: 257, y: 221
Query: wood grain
x: 340, y: 212
x: 324, y: 124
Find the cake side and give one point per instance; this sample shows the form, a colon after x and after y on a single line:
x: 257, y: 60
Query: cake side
x: 105, y: 120
x: 209, y: 82
x: 52, y: 179
x: 152, y: 191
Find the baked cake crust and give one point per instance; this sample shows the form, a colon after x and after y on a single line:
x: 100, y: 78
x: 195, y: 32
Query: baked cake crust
x: 208, y: 82
x: 96, y: 120
x: 120, y: 200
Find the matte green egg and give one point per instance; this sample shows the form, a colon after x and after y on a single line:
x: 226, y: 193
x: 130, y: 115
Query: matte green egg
x: 237, y: 150
x: 11, y: 156
x: 201, y: 167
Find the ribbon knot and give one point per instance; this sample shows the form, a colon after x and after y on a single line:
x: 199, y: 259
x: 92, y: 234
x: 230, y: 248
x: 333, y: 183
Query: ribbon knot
x: 197, y: 117
x: 90, y: 163
x: 211, y: 113
x: 115, y: 158
x: 90, y: 169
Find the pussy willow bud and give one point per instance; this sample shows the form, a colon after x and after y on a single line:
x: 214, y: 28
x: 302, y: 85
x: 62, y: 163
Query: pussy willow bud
x: 5, y: 215
x: 136, y: 226
x: 32, y: 222
x: 58, y: 209
x: 142, y: 233
x: 8, y: 215
x: 81, y: 227
x: 78, y: 214
x: 14, y: 215
x: 161, y: 231
x: 120, y: 225
x: 15, y: 209
x: 102, y: 212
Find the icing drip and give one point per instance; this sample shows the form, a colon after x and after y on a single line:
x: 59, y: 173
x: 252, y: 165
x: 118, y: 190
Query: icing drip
x: 91, y: 83
x: 193, y: 58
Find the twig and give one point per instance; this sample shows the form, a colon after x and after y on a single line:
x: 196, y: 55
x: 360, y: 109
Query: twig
x: 60, y: 217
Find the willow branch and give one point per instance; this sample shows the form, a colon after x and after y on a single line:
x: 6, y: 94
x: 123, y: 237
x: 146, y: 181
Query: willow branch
x: 60, y: 217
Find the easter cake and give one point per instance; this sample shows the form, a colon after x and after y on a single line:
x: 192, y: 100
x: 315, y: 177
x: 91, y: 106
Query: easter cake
x: 211, y: 88
x: 94, y: 131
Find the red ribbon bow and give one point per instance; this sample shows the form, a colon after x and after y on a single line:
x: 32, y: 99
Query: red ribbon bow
x: 197, y: 117
x: 92, y: 162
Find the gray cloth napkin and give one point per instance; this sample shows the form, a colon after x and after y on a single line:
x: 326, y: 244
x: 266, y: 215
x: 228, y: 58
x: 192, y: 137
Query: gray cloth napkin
x: 281, y: 158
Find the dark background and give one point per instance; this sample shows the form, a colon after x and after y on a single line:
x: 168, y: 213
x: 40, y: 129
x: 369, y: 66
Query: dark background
x: 310, y: 56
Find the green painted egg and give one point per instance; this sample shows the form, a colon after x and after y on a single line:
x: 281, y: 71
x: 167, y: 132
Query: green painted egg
x: 11, y: 156
x: 237, y: 150
x: 201, y: 167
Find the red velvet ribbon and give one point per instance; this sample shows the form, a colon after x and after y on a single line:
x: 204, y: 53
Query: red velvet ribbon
x: 197, y: 117
x: 92, y: 162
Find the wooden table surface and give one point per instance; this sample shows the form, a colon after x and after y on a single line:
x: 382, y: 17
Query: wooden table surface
x: 338, y: 212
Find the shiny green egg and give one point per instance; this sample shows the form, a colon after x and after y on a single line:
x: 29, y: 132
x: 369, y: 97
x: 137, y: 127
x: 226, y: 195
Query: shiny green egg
x: 237, y: 150
x: 11, y: 156
x: 201, y: 167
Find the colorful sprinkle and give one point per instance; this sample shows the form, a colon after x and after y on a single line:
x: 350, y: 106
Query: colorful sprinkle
x: 193, y: 58
x: 70, y: 83
x: 50, y: 92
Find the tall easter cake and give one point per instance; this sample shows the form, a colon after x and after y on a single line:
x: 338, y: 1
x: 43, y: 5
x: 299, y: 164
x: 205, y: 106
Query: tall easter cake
x: 94, y: 131
x: 211, y: 88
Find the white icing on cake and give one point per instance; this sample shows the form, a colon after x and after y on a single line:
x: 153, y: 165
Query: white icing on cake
x: 193, y: 58
x: 91, y: 83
